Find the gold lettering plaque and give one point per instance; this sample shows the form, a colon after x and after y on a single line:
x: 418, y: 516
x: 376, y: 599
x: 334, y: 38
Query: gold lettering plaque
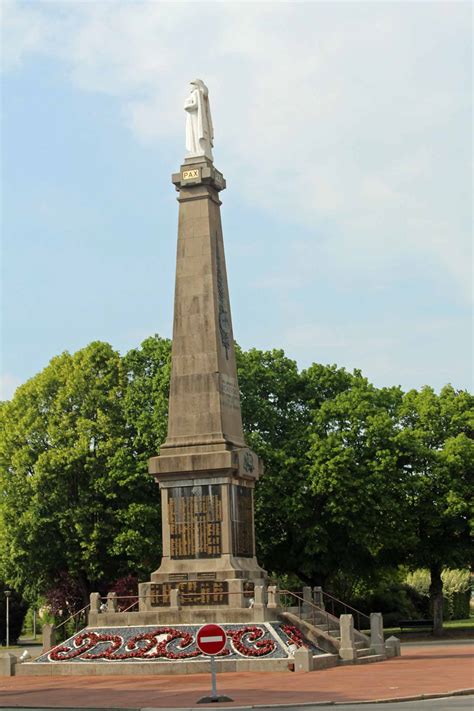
x: 242, y: 519
x: 192, y: 592
x: 195, y: 516
x: 191, y: 174
x: 160, y: 594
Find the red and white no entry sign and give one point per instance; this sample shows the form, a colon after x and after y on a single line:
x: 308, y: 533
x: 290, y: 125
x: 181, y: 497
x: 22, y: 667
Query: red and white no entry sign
x: 211, y: 639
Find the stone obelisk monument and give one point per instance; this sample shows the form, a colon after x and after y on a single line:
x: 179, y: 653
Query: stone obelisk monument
x: 205, y: 471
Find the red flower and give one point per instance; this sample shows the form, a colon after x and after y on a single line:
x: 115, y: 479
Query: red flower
x: 251, y: 634
x: 246, y: 641
x: 294, y: 635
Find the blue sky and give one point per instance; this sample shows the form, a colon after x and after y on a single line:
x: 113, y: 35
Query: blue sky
x: 344, y: 133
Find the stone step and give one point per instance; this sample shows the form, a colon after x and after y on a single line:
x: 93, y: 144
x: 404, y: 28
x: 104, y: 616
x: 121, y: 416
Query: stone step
x: 319, y: 622
x: 370, y: 659
x: 363, y: 651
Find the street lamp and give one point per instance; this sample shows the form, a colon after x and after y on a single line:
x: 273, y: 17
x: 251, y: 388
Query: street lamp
x: 7, y: 611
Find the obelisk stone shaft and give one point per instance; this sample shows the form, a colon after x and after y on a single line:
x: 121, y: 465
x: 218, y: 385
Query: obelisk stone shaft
x: 204, y: 395
x: 205, y: 471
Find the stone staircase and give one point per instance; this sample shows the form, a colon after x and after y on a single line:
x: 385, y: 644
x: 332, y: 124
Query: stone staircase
x: 324, y: 630
x: 365, y: 653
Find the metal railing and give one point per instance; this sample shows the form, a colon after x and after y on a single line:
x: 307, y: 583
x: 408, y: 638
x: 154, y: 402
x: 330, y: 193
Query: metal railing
x: 305, y: 609
x: 80, y: 620
x: 338, y: 608
x: 131, y: 606
x: 123, y: 606
x: 324, y: 616
x: 223, y: 597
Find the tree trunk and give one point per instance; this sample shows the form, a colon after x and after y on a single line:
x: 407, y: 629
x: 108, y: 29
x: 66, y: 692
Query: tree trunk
x: 84, y: 588
x: 436, y: 598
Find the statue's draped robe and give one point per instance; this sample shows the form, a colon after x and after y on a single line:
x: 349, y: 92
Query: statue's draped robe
x: 199, y: 130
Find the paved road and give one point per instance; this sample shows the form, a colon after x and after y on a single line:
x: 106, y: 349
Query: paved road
x: 447, y: 704
x: 454, y: 703
x: 423, y: 670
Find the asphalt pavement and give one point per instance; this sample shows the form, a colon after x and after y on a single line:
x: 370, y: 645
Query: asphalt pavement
x: 453, y: 703
x: 433, y: 671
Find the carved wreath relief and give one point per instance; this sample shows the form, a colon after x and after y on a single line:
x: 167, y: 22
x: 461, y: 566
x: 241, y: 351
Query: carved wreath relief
x: 224, y: 322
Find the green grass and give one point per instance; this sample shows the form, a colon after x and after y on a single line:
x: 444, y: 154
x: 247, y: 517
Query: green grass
x: 457, y: 624
x: 467, y: 624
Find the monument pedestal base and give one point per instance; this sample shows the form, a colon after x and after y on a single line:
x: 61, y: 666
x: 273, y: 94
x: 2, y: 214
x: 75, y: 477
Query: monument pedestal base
x: 208, y: 531
x: 184, y: 616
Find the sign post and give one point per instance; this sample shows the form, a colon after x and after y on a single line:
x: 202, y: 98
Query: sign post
x: 211, y: 640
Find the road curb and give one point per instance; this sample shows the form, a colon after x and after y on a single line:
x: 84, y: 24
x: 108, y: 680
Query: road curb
x: 414, y: 697
x: 279, y: 707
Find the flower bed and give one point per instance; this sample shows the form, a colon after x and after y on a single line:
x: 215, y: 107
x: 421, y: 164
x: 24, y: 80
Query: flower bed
x: 162, y: 643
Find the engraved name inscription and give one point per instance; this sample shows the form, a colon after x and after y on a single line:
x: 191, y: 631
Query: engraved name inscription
x: 194, y: 516
x: 193, y: 592
x: 160, y: 594
x: 229, y: 391
x: 242, y: 528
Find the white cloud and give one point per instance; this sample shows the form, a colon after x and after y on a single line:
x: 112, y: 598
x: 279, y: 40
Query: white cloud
x: 23, y: 32
x: 347, y: 114
x: 371, y: 347
x: 8, y: 385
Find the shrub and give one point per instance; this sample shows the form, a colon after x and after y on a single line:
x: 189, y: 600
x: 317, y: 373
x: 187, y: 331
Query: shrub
x: 64, y: 598
x: 419, y: 580
x: 126, y: 589
x: 456, y: 590
x: 395, y: 601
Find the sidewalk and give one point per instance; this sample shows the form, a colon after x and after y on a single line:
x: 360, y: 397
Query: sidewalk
x: 421, y: 670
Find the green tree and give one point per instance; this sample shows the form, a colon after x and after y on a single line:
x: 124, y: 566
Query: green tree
x: 437, y: 447
x: 354, y: 480
x: 275, y: 418
x: 145, y: 411
x: 284, y: 417
x: 76, y: 495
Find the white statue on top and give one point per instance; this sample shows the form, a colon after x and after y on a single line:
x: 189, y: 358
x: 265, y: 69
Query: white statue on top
x: 199, y: 130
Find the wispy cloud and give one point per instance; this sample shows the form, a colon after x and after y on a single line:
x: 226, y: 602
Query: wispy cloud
x: 348, y: 122
x: 372, y: 348
x: 8, y: 385
x: 348, y: 112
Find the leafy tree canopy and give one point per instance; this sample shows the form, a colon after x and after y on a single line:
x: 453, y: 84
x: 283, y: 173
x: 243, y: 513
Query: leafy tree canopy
x: 436, y: 439
x: 357, y: 478
x: 75, y: 494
